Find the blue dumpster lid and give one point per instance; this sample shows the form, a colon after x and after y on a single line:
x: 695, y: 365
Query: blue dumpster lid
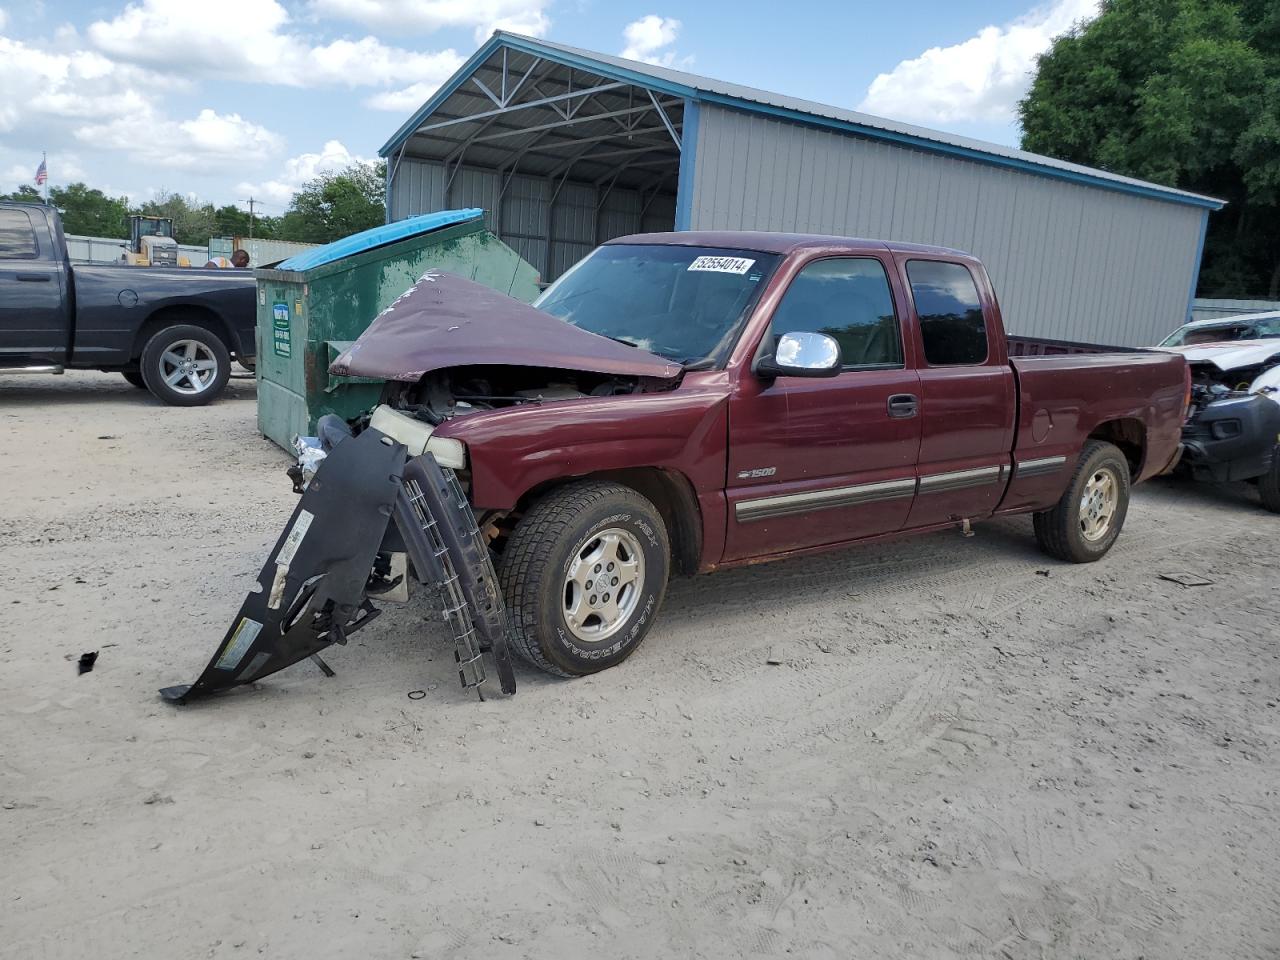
x: 377, y: 237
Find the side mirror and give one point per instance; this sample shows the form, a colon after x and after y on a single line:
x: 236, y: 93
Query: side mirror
x: 801, y: 354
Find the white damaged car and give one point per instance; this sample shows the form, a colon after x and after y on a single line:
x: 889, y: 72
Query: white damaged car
x: 1233, y: 428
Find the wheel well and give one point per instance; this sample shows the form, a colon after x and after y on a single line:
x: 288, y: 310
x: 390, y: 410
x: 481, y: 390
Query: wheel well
x: 1130, y: 436
x: 195, y: 315
x: 669, y: 491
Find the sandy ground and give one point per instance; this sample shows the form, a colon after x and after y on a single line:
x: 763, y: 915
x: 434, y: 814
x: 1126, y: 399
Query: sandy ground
x: 968, y: 751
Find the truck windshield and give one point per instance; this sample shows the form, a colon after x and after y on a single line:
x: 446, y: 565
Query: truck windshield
x: 683, y: 303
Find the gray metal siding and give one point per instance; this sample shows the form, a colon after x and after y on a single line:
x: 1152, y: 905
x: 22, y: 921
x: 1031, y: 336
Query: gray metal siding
x: 1068, y: 261
x: 582, y: 217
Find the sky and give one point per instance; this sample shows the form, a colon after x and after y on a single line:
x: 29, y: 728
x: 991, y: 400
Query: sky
x: 230, y: 99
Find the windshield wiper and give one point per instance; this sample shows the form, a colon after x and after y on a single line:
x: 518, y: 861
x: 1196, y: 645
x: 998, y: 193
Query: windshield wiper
x: 629, y: 343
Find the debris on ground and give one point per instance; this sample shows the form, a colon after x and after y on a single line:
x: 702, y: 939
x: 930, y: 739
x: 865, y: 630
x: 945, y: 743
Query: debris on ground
x: 1187, y: 579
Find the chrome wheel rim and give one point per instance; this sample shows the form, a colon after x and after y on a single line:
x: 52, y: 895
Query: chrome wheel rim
x: 1098, y: 505
x: 188, y: 367
x: 602, y: 584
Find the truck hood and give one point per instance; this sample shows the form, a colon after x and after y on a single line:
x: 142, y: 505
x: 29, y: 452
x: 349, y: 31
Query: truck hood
x: 1230, y: 355
x: 447, y: 321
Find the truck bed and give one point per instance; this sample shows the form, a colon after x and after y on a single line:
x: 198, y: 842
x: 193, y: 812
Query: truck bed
x: 1066, y: 389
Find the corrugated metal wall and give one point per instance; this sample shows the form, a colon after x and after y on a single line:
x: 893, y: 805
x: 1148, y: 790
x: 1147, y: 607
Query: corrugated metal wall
x: 84, y: 249
x: 1068, y: 261
x: 579, y: 224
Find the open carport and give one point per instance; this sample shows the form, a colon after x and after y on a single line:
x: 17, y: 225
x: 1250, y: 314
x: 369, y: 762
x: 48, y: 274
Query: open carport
x: 560, y: 157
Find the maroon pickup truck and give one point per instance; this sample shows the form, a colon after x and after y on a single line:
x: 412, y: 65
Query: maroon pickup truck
x: 685, y: 402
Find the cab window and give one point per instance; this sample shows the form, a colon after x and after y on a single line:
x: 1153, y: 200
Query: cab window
x: 848, y: 299
x: 950, y: 312
x: 17, y: 236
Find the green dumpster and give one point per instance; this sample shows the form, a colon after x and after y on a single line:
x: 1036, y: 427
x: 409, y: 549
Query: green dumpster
x: 312, y: 306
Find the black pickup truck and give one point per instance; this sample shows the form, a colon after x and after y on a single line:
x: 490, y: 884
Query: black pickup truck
x: 170, y: 330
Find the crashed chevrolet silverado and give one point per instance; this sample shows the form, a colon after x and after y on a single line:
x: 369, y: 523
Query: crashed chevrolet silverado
x: 1233, y: 432
x: 679, y: 403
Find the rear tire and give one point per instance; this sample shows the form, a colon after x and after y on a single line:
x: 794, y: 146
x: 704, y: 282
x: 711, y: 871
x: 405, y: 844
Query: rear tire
x: 1269, y: 483
x: 1084, y: 524
x: 584, y: 574
x: 135, y: 377
x: 185, y: 365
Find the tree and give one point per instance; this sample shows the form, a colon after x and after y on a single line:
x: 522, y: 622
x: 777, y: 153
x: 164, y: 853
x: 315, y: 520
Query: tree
x: 193, y: 223
x: 335, y: 205
x: 1184, y: 93
x: 90, y: 211
x: 25, y: 194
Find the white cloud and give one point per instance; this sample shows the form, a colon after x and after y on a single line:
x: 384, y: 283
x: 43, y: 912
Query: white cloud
x: 209, y: 139
x: 247, y: 40
x: 647, y: 36
x: 50, y: 84
x: 520, y: 16
x: 332, y: 158
x: 405, y: 99
x: 978, y: 80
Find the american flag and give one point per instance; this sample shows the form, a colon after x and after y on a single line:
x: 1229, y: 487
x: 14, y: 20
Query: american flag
x: 42, y: 174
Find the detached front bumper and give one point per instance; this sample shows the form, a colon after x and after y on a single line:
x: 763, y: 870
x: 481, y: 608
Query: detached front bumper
x: 367, y: 501
x: 1232, y: 439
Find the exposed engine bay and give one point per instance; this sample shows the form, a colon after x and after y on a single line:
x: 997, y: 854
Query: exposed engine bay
x: 444, y: 394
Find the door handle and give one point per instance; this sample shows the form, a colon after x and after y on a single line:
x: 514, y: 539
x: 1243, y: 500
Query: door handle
x: 903, y: 405
x: 32, y: 277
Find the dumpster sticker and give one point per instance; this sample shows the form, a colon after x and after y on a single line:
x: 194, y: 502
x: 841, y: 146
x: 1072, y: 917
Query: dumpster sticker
x: 722, y: 264
x: 280, y: 328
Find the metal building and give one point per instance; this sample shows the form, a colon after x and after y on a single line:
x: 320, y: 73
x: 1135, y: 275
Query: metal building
x: 565, y: 148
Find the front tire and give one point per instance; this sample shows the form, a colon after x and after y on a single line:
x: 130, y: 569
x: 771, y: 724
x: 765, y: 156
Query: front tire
x: 1084, y: 524
x: 1269, y: 483
x: 185, y: 365
x: 135, y: 378
x: 584, y: 574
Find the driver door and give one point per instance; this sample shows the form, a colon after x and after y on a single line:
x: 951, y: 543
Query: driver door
x: 821, y: 461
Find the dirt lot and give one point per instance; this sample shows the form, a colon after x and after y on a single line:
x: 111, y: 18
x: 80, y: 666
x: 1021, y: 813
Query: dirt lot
x: 967, y: 751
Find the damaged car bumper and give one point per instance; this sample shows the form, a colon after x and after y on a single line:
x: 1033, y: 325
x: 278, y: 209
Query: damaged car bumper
x: 1232, y: 438
x: 368, y: 504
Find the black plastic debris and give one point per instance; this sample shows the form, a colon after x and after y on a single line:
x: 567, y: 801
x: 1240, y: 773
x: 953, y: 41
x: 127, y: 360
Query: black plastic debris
x: 87, y: 660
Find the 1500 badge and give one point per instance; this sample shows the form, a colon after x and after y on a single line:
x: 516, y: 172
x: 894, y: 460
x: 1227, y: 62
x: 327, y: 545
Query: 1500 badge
x: 757, y: 473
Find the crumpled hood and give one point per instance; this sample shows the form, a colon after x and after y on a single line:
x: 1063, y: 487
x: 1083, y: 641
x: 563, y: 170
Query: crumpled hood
x: 1230, y: 355
x: 447, y: 321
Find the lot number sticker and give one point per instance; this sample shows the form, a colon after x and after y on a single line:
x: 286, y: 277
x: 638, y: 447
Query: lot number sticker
x: 722, y: 265
x: 280, y: 328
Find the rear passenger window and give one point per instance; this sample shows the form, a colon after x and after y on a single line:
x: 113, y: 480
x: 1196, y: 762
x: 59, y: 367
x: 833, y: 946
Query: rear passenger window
x: 950, y: 313
x: 848, y: 299
x: 17, y: 237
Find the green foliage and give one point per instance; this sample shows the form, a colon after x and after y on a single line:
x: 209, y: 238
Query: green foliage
x: 91, y: 212
x: 24, y: 194
x: 1184, y: 93
x: 334, y: 205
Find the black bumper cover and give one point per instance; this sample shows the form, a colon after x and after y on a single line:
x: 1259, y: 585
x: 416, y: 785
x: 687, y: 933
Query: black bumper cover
x: 366, y: 495
x: 1232, y: 439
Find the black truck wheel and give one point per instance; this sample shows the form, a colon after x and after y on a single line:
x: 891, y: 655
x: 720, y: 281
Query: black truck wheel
x: 185, y: 365
x: 1269, y: 483
x: 1084, y: 524
x: 135, y: 377
x: 584, y: 574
